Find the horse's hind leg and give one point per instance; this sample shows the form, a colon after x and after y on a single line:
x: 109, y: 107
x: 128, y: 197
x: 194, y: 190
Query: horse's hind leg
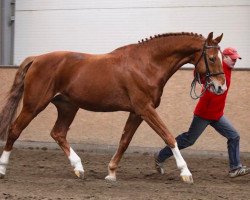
x: 28, y: 112
x: 37, y: 95
x: 66, y: 114
x: 19, y: 124
x: 131, y: 126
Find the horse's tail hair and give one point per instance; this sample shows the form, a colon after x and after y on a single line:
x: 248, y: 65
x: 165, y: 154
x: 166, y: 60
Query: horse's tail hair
x: 14, y: 96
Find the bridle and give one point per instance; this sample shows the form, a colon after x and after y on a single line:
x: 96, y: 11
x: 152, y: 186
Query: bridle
x: 197, y: 78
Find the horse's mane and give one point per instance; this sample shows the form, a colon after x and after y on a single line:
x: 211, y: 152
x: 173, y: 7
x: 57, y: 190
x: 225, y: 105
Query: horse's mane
x: 171, y: 34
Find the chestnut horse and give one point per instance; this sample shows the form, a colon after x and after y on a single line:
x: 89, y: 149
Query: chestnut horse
x: 130, y: 78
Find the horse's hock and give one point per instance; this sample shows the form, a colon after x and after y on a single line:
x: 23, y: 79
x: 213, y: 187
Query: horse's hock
x: 176, y: 109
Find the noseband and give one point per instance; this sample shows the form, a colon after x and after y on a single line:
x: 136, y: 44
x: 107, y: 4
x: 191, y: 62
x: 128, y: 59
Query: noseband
x: 197, y: 78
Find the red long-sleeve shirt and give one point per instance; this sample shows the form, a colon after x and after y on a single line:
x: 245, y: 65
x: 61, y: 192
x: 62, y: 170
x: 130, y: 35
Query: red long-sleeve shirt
x: 210, y: 105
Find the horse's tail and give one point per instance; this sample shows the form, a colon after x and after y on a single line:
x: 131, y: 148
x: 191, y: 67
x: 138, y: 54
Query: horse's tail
x: 14, y: 96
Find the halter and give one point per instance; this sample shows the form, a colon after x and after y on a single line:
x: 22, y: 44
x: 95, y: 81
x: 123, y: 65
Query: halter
x: 208, y: 82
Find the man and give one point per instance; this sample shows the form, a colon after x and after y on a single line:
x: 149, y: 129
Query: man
x: 209, y: 111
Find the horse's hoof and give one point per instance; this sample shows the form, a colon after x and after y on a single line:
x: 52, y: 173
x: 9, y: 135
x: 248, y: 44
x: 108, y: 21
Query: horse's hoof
x: 79, y: 174
x: 1, y: 176
x: 187, y: 179
x: 110, y: 178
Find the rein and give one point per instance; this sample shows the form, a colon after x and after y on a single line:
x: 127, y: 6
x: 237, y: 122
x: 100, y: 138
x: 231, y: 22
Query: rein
x: 197, y: 78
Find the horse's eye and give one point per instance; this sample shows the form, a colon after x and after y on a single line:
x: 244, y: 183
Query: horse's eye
x: 212, y: 59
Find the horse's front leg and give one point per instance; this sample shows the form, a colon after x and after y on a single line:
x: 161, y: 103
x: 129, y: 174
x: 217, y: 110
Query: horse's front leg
x: 131, y: 126
x: 151, y: 117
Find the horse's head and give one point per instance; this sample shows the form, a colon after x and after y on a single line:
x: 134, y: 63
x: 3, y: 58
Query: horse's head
x: 208, y: 65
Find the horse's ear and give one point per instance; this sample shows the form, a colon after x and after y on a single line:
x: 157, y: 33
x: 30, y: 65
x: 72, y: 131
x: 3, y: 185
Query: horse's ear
x: 210, y: 37
x: 218, y: 39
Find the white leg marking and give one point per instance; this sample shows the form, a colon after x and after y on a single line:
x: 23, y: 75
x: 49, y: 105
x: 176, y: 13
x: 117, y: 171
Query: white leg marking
x: 112, y: 173
x: 182, y: 165
x: 4, y: 160
x: 220, y: 57
x: 76, y: 163
x: 112, y: 176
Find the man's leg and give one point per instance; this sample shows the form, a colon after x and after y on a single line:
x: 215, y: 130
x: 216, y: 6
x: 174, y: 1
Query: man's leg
x: 225, y: 128
x: 184, y: 140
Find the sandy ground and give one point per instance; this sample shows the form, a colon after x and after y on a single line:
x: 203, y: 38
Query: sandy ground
x: 42, y: 173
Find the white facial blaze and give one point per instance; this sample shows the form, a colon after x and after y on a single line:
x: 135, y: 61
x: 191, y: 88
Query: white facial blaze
x: 220, y: 57
x: 4, y: 160
x: 75, y: 160
x: 224, y: 86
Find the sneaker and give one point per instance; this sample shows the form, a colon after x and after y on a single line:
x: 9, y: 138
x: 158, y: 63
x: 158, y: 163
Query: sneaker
x: 158, y: 165
x: 239, y: 172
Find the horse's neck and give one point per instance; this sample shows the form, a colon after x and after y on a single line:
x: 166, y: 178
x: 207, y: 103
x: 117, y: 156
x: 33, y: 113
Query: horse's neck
x: 170, y: 55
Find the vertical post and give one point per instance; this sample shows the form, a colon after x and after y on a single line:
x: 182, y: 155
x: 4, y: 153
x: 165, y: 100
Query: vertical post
x: 7, y: 31
x: 1, y: 28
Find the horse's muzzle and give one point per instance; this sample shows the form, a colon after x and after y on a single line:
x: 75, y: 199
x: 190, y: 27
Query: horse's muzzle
x: 218, y: 88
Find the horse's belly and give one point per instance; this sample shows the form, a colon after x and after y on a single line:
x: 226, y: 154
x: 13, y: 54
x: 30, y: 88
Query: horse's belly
x: 101, y: 102
x: 104, y: 106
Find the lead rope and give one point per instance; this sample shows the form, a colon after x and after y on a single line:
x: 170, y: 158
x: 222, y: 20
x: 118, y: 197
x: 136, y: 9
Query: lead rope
x: 193, y: 93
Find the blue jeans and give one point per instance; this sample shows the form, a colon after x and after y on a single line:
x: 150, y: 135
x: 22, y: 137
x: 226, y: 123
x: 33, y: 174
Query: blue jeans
x: 198, y: 125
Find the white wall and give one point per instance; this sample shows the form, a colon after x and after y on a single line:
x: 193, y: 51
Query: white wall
x: 99, y: 26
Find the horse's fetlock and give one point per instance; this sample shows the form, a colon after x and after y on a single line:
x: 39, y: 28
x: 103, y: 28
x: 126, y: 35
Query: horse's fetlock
x: 112, y: 166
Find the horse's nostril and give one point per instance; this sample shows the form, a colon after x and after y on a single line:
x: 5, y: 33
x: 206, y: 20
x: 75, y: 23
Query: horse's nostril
x: 220, y: 89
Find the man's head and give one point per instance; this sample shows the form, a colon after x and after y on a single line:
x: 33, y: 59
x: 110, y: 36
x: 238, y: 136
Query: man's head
x: 230, y: 56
